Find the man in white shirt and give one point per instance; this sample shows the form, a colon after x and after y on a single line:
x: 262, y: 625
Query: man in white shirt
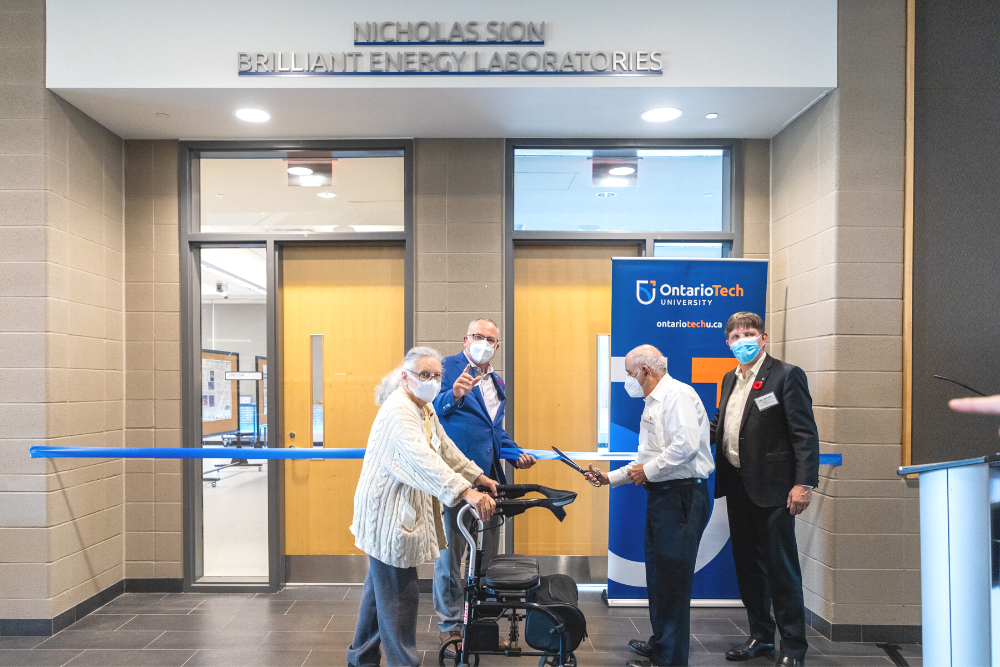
x: 674, y: 462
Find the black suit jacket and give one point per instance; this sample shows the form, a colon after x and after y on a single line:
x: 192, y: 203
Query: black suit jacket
x: 779, y: 447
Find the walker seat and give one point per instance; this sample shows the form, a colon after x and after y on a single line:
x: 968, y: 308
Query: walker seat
x: 512, y: 573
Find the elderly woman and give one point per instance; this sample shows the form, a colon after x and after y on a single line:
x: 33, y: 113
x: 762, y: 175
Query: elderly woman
x: 410, y: 467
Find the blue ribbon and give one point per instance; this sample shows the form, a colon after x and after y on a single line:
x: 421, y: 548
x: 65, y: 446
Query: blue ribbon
x: 39, y: 452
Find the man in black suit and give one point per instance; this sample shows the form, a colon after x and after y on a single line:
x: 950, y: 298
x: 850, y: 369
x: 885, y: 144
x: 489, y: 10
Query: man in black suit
x: 767, y: 463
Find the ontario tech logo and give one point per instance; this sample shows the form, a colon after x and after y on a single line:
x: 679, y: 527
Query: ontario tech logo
x: 648, y: 292
x: 645, y: 293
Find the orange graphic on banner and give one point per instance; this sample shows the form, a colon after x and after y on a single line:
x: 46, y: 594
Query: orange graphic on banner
x: 711, y: 369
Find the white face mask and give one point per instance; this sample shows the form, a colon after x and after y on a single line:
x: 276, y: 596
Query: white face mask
x: 481, y: 351
x: 427, y: 390
x: 633, y: 387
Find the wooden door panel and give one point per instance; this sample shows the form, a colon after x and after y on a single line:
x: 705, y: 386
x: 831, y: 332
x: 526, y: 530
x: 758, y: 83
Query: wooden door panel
x: 562, y: 302
x: 353, y: 297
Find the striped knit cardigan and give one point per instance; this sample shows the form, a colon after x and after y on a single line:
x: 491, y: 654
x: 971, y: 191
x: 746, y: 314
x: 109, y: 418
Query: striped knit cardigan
x: 401, y: 470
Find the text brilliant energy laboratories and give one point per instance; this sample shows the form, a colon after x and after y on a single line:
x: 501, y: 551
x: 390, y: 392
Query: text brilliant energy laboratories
x: 452, y: 61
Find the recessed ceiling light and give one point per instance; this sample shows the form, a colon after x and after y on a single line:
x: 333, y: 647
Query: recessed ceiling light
x: 661, y: 115
x: 605, y: 195
x: 326, y: 195
x: 220, y: 195
x: 312, y: 181
x: 299, y: 171
x: 253, y: 115
x: 621, y: 171
x: 711, y: 116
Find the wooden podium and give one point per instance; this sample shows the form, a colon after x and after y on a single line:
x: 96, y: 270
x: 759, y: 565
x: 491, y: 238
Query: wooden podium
x: 960, y: 561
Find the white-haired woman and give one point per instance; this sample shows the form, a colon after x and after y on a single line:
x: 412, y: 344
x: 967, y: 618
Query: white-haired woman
x: 410, y: 466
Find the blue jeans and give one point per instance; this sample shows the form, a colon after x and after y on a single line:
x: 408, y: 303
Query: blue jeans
x: 387, y: 616
x: 449, y: 584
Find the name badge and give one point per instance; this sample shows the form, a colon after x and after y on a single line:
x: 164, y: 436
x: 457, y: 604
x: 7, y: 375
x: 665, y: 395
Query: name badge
x: 766, y: 401
x: 435, y: 442
x: 647, y: 422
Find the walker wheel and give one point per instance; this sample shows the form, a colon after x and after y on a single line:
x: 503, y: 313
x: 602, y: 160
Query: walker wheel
x: 552, y: 661
x: 449, y: 655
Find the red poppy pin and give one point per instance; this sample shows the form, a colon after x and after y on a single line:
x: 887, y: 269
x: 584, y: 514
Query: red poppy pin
x: 757, y: 385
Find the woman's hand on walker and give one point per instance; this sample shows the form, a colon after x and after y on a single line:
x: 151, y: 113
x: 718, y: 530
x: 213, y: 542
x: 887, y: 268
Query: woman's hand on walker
x: 491, y: 484
x: 481, y: 502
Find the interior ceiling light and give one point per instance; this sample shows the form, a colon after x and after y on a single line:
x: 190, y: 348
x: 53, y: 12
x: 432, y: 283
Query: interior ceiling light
x: 220, y: 196
x: 253, y: 115
x: 621, y: 171
x: 326, y: 195
x: 299, y: 171
x: 605, y: 195
x: 313, y: 181
x: 661, y: 115
x: 711, y: 116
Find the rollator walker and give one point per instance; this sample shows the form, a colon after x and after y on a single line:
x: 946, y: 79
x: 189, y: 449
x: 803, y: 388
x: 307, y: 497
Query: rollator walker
x: 512, y: 589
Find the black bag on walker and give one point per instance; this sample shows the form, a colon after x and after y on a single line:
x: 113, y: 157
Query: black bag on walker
x: 559, y: 594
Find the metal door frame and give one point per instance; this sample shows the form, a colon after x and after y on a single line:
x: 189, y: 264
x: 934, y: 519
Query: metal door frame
x: 191, y: 241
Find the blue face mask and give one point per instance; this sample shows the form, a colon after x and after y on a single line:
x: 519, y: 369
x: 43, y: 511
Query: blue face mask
x: 745, y: 349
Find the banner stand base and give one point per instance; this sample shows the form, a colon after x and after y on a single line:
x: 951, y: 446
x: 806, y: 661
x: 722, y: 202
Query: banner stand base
x: 642, y: 602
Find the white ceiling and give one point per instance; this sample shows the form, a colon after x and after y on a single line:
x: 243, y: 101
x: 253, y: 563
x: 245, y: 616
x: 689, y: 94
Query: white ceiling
x: 441, y: 112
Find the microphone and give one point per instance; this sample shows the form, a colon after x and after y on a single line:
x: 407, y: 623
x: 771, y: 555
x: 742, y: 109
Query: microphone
x: 965, y: 386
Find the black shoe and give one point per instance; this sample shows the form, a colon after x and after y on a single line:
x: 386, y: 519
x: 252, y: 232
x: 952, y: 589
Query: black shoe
x: 638, y: 663
x: 639, y: 647
x: 750, y: 650
x: 791, y: 662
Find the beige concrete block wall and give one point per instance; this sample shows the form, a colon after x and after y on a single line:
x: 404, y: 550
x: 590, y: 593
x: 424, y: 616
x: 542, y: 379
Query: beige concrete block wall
x: 61, y: 336
x: 458, y: 227
x: 836, y: 311
x: 152, y: 361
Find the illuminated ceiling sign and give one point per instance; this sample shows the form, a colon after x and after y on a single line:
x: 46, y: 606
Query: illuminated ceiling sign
x: 461, y: 58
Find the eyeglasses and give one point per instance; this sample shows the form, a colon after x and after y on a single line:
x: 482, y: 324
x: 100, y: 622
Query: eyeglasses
x: 425, y: 376
x: 477, y: 337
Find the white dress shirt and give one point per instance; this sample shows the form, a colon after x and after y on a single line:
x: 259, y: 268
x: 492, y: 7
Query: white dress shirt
x: 734, y: 411
x: 673, y: 436
x: 490, y: 396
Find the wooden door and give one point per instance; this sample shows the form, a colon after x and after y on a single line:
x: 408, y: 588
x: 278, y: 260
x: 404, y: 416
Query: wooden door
x: 562, y: 302
x: 352, y: 296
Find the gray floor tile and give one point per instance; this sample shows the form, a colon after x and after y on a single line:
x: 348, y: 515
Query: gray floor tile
x: 719, y: 612
x: 20, y: 642
x: 827, y: 647
x: 101, y: 622
x: 96, y: 639
x: 120, y: 658
x: 208, y: 640
x: 643, y: 625
x: 220, y: 658
x: 255, y: 606
x: 339, y: 659
x: 848, y: 661
x: 317, y: 608
x: 325, y: 593
x: 35, y: 657
x: 313, y: 641
x: 348, y: 623
x: 280, y: 623
x: 127, y: 604
x: 605, y: 659
x: 715, y: 626
x: 210, y: 596
x: 611, y: 625
x: 177, y: 622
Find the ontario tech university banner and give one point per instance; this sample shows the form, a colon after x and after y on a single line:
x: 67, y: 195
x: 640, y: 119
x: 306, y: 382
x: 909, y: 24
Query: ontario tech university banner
x: 680, y: 306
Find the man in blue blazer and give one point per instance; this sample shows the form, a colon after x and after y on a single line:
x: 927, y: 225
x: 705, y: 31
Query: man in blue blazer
x: 470, y: 407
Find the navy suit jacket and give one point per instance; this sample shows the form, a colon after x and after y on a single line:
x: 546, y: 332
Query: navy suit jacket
x: 468, y: 423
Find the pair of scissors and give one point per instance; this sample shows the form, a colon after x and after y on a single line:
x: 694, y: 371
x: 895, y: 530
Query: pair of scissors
x: 572, y: 464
